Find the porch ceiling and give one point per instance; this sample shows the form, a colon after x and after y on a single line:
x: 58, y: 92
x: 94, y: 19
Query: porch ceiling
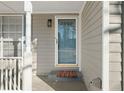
x: 57, y: 6
x: 42, y: 6
x: 11, y: 7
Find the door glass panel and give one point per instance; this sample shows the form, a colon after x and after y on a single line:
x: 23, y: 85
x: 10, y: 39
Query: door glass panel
x: 66, y: 41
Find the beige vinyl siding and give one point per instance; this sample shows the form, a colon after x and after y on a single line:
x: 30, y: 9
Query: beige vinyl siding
x: 91, y: 42
x: 45, y: 47
x: 45, y: 44
x: 115, y: 45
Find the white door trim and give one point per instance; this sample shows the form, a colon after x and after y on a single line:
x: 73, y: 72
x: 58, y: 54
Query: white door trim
x: 105, y: 46
x: 79, y: 35
x: 56, y: 39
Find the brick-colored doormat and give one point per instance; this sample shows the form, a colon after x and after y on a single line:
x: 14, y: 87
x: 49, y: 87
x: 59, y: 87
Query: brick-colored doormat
x: 65, y: 75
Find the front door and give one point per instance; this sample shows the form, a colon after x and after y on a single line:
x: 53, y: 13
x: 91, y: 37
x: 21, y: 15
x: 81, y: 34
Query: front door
x: 66, y: 45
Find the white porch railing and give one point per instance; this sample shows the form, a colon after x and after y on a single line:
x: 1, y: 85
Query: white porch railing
x: 11, y: 73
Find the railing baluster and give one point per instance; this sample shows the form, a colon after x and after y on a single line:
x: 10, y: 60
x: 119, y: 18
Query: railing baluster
x: 2, y: 74
x: 6, y: 74
x: 10, y: 74
x: 14, y: 63
x: 21, y: 69
x: 19, y: 72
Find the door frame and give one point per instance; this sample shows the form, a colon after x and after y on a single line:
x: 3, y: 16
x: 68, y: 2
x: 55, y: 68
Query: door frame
x: 56, y: 40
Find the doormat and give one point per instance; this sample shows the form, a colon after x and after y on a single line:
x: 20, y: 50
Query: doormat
x: 65, y: 75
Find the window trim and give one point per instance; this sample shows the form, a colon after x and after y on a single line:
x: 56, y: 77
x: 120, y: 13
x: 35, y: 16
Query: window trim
x: 56, y: 40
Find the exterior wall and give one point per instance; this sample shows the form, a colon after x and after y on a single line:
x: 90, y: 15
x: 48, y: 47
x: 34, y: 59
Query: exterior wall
x: 91, y: 42
x: 115, y: 45
x: 45, y: 37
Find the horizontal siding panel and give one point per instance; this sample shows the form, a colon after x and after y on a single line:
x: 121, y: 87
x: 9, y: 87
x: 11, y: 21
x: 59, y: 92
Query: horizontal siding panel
x: 87, y: 12
x: 115, y: 31
x: 90, y: 31
x: 115, y: 9
x: 115, y: 2
x: 114, y: 27
x: 115, y: 47
x: 115, y: 62
x: 115, y: 57
x: 115, y: 76
x: 93, y: 19
x: 115, y: 85
x: 92, y: 25
x: 115, y: 19
x: 115, y: 38
x: 93, y: 39
x: 115, y: 67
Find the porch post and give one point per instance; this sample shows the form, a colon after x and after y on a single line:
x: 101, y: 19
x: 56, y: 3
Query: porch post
x: 27, y: 65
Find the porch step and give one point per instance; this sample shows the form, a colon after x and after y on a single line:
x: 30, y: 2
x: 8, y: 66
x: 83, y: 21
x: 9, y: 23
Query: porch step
x: 56, y: 75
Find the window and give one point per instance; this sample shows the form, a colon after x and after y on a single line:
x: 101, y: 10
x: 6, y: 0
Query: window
x: 11, y: 28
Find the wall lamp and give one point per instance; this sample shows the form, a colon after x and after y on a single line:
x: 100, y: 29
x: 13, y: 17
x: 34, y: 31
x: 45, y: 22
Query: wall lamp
x: 49, y: 22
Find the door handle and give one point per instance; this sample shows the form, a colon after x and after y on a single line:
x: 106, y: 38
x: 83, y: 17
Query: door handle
x: 56, y: 41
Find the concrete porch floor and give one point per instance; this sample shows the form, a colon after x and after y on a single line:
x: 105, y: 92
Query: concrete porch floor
x: 42, y: 83
x: 39, y: 85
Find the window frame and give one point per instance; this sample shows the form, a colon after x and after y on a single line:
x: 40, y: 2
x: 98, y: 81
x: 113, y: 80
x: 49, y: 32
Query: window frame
x: 22, y: 38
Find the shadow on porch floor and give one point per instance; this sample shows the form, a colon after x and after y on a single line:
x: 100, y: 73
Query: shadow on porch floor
x: 43, y: 83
